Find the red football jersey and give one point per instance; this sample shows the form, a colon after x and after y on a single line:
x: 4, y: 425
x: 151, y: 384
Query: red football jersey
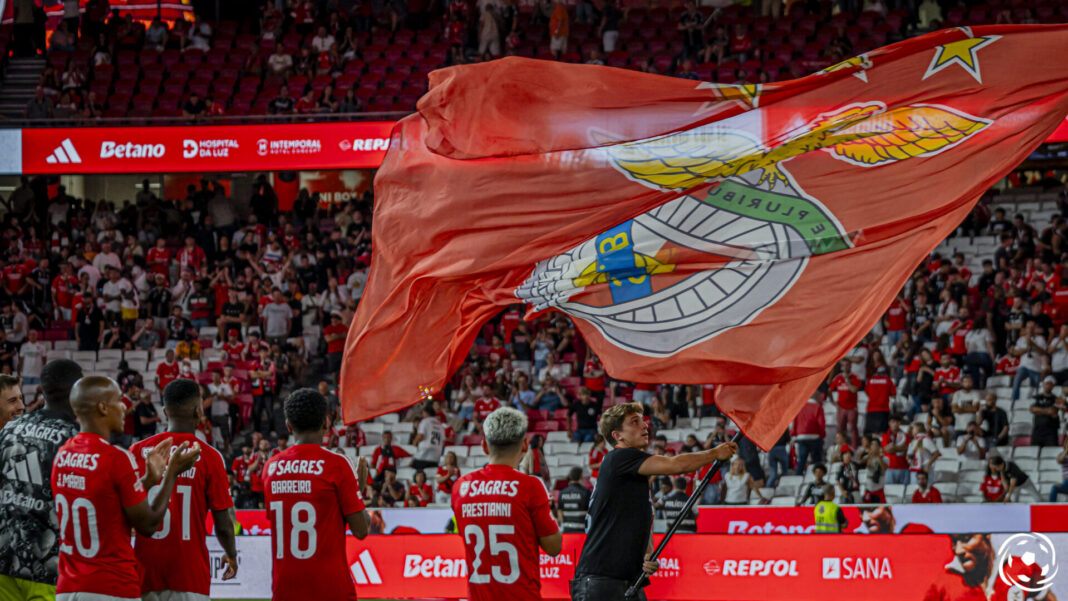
x: 896, y: 316
x: 175, y: 558
x: 309, y: 491
x: 483, y: 407
x: 167, y: 373
x: 596, y: 457
x: 879, y: 388
x: 158, y: 259
x: 93, y: 482
x: 847, y: 399
x: 501, y: 513
x: 234, y: 352
x: 949, y: 375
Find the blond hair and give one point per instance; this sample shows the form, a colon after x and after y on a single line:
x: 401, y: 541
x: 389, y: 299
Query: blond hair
x: 612, y: 419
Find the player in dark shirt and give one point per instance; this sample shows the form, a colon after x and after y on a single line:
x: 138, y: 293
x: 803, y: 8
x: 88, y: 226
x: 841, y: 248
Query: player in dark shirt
x: 574, y: 503
x: 29, y: 546
x: 619, y: 524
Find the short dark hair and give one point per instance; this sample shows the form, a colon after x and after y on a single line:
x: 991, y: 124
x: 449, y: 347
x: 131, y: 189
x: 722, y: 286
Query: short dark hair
x: 924, y: 472
x: 7, y: 381
x: 180, y: 393
x: 680, y: 483
x: 305, y: 409
x: 575, y: 475
x: 57, y: 378
x: 820, y: 466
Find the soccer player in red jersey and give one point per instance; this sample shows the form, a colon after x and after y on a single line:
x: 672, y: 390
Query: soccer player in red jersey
x: 175, y: 558
x: 311, y: 494
x: 100, y: 496
x: 504, y: 516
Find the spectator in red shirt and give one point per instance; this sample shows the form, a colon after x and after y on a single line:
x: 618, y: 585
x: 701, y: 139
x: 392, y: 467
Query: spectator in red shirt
x: 895, y: 444
x: 846, y: 385
x: 484, y: 406
x: 946, y: 377
x: 167, y: 371
x: 191, y: 256
x: 896, y: 321
x: 597, y: 454
x: 809, y: 430
x: 64, y: 287
x: 239, y: 475
x: 420, y: 494
x: 447, y: 475
x: 993, y: 487
x: 159, y: 258
x: 594, y: 378
x: 384, y: 459
x: 255, y: 471
x: 335, y: 335
x: 925, y: 492
x: 880, y: 388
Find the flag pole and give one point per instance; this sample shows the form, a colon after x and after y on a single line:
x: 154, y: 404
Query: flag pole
x: 701, y: 486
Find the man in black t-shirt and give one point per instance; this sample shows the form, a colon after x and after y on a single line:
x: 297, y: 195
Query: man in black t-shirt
x: 1047, y: 421
x: 620, y: 519
x: 673, y: 504
x: 90, y: 323
x: 574, y: 503
x: 586, y: 412
x: 145, y: 416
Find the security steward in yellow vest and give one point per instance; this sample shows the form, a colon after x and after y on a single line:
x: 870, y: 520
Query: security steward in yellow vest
x: 829, y: 516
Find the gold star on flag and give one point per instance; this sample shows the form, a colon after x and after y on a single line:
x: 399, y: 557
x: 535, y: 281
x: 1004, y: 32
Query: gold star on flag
x: 963, y: 53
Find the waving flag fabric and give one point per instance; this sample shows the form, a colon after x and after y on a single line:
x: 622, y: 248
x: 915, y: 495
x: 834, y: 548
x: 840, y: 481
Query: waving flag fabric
x: 744, y: 235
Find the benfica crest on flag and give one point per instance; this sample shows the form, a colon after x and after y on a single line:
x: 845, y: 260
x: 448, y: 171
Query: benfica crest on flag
x: 747, y: 236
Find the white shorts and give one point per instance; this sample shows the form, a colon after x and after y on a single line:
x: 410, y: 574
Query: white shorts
x: 558, y: 44
x: 91, y: 597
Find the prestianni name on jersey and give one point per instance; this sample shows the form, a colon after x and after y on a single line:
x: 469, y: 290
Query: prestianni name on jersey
x: 479, y: 488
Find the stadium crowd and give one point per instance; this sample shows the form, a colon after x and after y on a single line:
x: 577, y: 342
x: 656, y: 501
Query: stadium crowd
x: 252, y: 304
x: 304, y: 57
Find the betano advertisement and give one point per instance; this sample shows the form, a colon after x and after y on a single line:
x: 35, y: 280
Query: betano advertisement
x: 863, y: 519
x: 705, y: 567
x: 206, y: 148
x: 199, y: 149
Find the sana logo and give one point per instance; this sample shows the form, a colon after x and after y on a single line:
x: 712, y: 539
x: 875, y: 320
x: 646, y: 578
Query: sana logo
x: 739, y: 234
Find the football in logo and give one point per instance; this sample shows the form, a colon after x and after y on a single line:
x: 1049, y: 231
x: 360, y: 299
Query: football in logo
x: 1027, y: 562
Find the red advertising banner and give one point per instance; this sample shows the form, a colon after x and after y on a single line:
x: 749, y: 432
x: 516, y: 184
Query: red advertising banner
x: 211, y: 148
x: 757, y: 568
x: 880, y: 519
x: 202, y: 149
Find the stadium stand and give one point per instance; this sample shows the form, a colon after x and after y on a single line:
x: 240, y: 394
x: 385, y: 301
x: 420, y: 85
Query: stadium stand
x: 378, y: 62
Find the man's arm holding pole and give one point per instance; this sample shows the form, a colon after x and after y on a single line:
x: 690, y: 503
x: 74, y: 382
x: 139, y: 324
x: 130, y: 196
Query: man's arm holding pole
x: 685, y: 463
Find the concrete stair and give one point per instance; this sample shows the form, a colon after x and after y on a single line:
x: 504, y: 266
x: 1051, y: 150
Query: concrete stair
x: 17, y: 88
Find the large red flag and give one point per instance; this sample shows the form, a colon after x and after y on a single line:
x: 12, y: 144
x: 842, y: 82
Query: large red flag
x: 697, y: 233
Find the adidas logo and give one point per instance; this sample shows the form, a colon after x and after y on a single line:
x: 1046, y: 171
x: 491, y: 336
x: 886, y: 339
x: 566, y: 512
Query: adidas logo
x: 364, y: 570
x: 64, y: 153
